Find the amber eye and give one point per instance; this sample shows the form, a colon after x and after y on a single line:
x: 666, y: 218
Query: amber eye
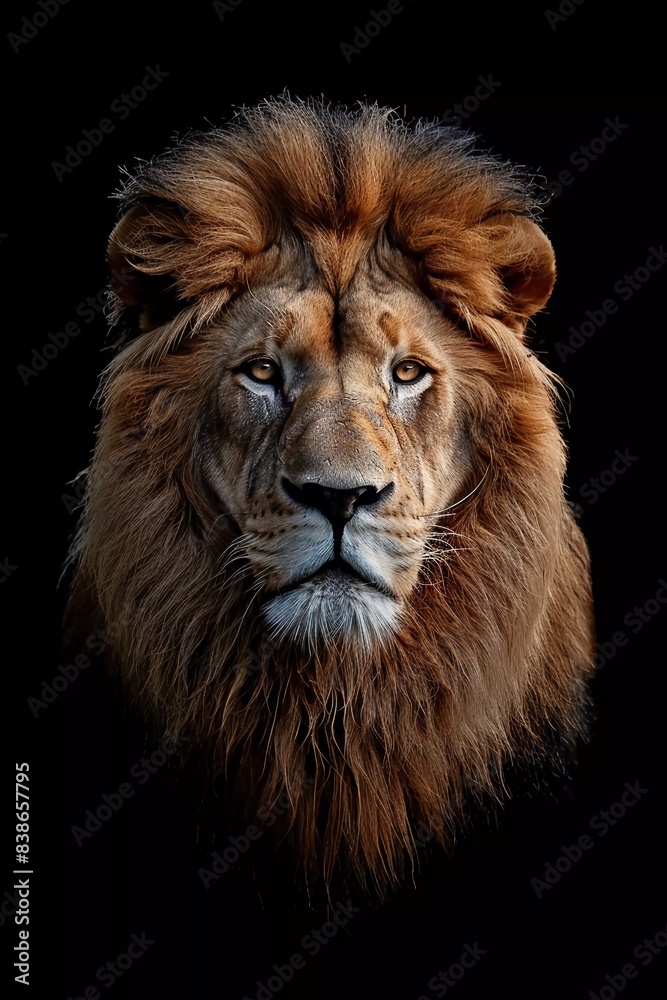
x: 262, y: 370
x: 409, y: 371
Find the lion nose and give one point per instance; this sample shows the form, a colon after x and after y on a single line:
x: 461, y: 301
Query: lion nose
x: 338, y: 506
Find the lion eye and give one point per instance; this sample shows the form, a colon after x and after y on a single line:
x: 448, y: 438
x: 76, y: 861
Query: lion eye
x: 409, y: 371
x: 262, y: 370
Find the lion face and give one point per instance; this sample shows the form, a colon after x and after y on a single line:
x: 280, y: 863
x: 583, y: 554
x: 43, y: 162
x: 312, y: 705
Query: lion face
x: 325, y: 517
x: 337, y: 447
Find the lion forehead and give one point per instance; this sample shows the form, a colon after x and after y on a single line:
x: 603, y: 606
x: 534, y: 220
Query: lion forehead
x: 373, y: 318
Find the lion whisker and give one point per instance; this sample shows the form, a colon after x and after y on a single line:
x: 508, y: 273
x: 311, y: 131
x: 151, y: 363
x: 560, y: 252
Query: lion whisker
x: 440, y: 513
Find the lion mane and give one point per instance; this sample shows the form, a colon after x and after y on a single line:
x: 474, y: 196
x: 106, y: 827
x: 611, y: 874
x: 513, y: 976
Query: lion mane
x: 487, y: 668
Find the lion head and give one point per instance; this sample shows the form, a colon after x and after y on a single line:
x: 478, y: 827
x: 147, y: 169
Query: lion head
x: 325, y: 514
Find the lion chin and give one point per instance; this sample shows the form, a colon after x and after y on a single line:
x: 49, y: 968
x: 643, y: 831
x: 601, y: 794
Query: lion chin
x: 333, y: 603
x: 325, y: 521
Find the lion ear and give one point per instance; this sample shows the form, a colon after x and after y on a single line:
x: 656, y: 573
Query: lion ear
x: 528, y: 270
x: 143, y: 255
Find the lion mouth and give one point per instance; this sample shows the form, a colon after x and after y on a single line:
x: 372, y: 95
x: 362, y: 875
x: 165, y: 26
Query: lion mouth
x: 336, y: 571
x: 341, y: 568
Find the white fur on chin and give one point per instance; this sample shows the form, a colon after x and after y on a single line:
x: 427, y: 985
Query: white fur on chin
x: 335, y: 604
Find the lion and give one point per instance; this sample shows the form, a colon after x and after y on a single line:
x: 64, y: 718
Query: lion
x: 325, y: 514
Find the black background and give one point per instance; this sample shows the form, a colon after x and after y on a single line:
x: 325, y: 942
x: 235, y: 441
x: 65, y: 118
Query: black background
x: 138, y: 874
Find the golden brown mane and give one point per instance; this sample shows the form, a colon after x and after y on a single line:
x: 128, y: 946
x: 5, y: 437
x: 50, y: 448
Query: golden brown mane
x: 493, y: 654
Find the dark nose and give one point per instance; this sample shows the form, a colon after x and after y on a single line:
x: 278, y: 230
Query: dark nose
x: 336, y: 505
